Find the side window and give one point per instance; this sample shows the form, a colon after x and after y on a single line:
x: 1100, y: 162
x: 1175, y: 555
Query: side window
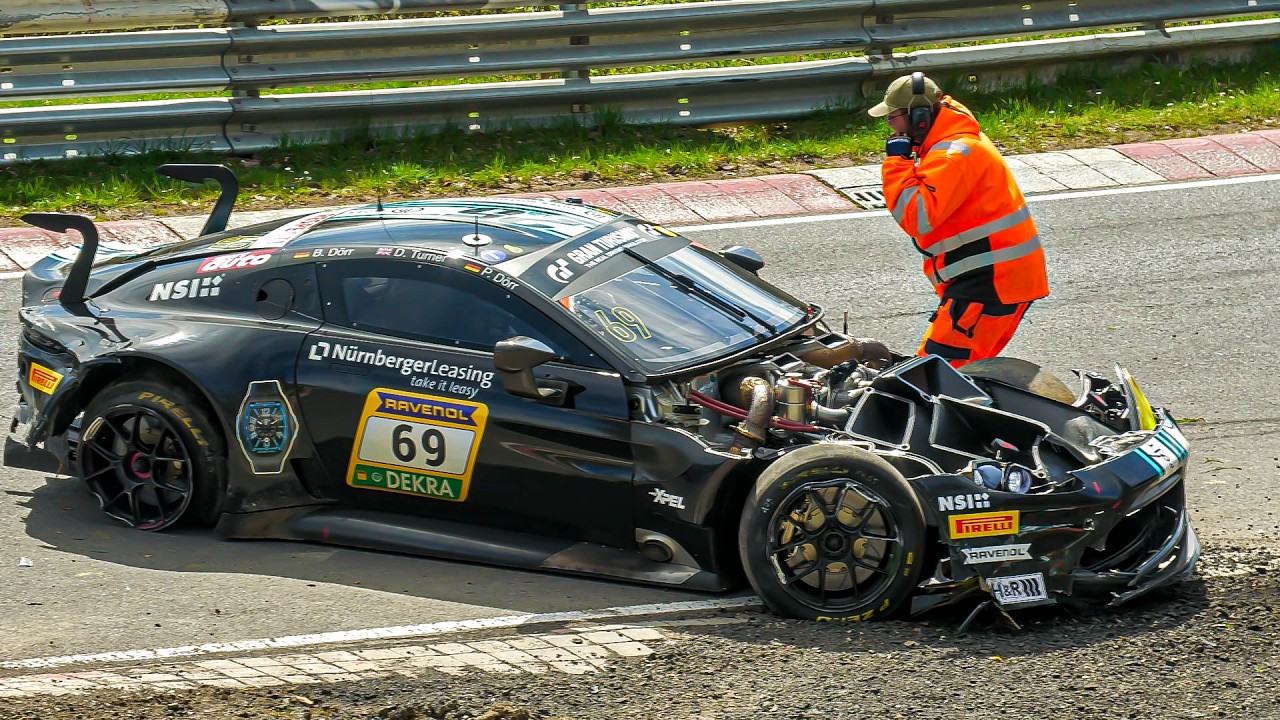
x: 437, y: 305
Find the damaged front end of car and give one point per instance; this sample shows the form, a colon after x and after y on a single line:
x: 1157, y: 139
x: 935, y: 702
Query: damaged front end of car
x: 1032, y: 495
x: 1102, y: 520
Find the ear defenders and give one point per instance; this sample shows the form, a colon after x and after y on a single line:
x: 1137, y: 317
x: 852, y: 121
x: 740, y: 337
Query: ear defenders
x: 920, y: 117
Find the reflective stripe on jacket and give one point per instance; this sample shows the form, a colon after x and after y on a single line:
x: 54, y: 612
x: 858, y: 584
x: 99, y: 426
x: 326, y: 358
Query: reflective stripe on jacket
x: 962, y: 207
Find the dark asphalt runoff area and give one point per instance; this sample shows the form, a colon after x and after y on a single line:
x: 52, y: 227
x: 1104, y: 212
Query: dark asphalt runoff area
x: 1180, y: 285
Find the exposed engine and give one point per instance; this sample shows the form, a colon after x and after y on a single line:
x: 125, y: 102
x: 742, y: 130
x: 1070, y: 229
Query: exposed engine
x: 920, y: 414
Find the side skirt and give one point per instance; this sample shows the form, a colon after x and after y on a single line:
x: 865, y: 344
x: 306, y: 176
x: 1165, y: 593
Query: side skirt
x: 456, y: 541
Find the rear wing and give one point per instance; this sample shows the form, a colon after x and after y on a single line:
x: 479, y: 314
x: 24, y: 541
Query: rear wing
x: 78, y: 276
x: 73, y: 290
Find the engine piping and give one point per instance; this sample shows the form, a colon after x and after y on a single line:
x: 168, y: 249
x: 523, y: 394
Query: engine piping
x: 752, y: 431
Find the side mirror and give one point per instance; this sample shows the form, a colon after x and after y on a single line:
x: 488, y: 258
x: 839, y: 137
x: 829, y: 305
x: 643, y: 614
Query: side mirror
x: 515, y: 358
x: 743, y: 257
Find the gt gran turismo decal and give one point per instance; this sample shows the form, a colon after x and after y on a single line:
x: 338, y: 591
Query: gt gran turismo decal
x: 266, y: 427
x: 593, y: 252
x: 988, y: 524
x: 560, y: 272
x: 43, y: 379
x: 415, y: 444
x: 184, y: 289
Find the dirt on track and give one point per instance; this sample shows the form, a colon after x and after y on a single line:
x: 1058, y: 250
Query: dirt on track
x: 1207, y: 648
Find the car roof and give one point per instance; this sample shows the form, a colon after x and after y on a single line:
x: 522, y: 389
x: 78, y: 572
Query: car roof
x: 526, y: 222
x: 530, y: 223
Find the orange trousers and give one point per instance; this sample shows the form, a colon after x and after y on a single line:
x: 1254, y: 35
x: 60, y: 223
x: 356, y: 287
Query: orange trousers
x: 961, y: 331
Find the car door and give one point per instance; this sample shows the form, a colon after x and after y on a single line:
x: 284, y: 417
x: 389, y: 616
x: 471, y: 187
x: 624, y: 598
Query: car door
x: 409, y: 416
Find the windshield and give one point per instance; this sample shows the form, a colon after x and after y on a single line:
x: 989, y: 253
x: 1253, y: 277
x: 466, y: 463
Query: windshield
x: 689, y: 309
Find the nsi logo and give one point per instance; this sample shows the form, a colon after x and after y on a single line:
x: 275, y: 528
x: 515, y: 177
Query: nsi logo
x: 180, y: 289
x: 969, y: 501
x: 559, y: 271
x: 662, y: 497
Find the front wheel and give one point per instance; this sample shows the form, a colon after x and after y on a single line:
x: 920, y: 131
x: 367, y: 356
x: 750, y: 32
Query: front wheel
x: 834, y: 533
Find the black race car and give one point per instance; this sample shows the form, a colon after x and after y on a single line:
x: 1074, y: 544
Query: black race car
x: 554, y: 386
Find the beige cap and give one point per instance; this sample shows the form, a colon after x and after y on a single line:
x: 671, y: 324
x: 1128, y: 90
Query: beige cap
x: 899, y: 96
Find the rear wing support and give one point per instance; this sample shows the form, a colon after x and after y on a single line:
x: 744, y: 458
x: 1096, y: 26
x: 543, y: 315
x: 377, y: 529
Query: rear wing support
x: 196, y: 174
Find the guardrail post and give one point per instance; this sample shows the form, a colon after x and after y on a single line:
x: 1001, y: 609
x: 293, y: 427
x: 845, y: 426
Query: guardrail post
x: 239, y: 59
x: 577, y: 73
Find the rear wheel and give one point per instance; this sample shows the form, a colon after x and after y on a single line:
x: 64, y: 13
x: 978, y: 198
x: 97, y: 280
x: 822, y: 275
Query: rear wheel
x: 832, y: 532
x: 152, y: 455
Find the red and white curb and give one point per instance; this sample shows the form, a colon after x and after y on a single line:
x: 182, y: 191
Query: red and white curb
x: 837, y: 190
x: 667, y: 204
x: 1216, y: 156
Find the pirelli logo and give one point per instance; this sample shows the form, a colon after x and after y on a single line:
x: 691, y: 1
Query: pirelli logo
x: 43, y: 379
x: 987, y: 524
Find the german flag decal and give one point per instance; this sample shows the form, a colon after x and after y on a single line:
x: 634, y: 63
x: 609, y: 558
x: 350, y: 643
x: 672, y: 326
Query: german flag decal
x: 473, y: 267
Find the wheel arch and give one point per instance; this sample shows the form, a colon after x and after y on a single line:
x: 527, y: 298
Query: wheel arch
x: 727, y: 519
x: 100, y: 374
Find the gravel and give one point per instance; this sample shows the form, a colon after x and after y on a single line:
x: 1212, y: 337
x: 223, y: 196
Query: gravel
x: 1208, y: 648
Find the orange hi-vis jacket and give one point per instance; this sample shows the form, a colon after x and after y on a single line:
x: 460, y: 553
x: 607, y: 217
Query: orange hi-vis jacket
x: 960, y: 204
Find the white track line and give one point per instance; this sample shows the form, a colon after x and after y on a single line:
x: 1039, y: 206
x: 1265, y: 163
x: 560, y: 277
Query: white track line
x: 403, y: 631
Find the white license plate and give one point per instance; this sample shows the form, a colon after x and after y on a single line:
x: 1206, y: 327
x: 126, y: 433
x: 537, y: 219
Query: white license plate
x: 1018, y: 588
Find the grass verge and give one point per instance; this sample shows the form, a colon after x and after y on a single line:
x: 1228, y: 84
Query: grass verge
x: 1085, y: 108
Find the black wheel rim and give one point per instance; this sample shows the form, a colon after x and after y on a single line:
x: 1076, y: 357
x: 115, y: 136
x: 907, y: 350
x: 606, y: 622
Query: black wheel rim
x: 134, y: 462
x: 834, y: 545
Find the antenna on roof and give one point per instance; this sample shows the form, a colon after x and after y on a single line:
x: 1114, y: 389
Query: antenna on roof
x: 475, y: 240
x: 379, y: 202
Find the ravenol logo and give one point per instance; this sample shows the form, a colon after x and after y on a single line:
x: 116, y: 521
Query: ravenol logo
x: 420, y: 408
x: 986, y: 524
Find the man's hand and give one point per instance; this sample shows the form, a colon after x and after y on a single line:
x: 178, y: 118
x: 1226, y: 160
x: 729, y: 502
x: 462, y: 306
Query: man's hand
x: 899, y: 145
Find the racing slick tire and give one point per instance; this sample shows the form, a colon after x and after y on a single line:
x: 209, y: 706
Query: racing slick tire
x: 152, y: 455
x: 832, y: 533
x: 1021, y: 374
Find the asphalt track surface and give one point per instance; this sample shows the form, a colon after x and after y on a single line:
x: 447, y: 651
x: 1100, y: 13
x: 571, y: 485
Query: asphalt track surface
x: 1180, y: 284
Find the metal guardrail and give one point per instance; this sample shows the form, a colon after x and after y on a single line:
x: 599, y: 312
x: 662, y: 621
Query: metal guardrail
x: 246, y: 61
